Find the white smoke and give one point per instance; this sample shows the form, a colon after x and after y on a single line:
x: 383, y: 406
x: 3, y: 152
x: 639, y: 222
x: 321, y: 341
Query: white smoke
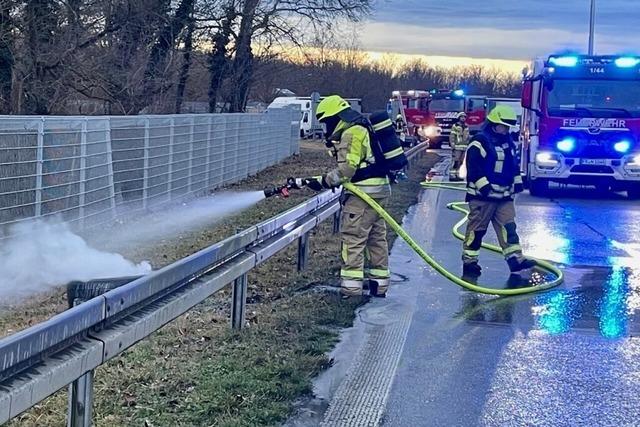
x: 44, y: 254
x: 41, y: 255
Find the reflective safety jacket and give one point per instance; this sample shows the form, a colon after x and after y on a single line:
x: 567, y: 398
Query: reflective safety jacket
x: 492, y: 169
x: 353, y: 152
x: 459, y: 137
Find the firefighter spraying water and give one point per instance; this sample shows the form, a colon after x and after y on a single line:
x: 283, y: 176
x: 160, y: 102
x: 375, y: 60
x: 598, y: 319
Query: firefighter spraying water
x: 366, y: 185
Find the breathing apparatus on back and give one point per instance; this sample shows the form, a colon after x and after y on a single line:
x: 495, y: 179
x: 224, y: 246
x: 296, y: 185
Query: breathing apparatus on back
x: 337, y: 115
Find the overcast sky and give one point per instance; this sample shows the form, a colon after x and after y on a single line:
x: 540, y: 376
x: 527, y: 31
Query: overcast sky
x: 503, y: 29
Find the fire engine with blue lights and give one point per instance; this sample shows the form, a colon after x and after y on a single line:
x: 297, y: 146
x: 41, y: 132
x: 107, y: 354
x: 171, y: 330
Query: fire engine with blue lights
x: 581, y: 123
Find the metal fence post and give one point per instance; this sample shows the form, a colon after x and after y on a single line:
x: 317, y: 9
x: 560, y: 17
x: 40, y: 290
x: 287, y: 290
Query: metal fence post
x: 81, y: 401
x: 239, y: 302
x: 80, y: 397
x: 171, y: 141
x: 191, y: 130
x: 303, y: 251
x: 112, y: 188
x: 208, y: 162
x: 83, y: 172
x: 145, y: 172
x: 39, y: 162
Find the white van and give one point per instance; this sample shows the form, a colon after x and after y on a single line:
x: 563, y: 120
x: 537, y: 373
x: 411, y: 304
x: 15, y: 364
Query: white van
x: 309, y: 127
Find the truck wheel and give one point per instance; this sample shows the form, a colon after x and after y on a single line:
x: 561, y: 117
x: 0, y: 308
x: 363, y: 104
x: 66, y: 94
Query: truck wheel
x: 633, y: 192
x: 538, y: 187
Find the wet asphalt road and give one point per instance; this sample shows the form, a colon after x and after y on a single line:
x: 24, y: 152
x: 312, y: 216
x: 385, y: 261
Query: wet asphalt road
x: 566, y: 357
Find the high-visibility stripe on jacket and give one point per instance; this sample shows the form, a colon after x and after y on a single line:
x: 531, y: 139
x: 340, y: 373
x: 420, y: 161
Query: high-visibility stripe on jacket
x: 492, y: 169
x: 354, y: 152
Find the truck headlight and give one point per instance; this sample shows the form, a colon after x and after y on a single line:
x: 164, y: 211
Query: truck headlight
x: 430, y: 131
x: 547, y: 160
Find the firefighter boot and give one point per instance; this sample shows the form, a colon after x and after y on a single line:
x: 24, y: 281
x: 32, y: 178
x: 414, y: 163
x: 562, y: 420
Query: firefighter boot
x: 516, y: 265
x: 471, y: 269
x: 350, y: 288
x: 378, y: 287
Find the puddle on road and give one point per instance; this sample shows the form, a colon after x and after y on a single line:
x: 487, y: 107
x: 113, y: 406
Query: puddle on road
x: 604, y: 300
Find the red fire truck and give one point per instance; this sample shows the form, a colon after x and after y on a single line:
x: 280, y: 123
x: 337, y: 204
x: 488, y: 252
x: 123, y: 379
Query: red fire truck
x: 430, y: 115
x: 581, y: 123
x: 413, y: 106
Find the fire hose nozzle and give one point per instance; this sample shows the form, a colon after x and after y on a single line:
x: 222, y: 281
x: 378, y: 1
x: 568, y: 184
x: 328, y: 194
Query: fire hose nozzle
x: 292, y: 184
x: 270, y: 192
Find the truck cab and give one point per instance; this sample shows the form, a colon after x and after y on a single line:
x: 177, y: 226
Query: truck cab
x: 476, y: 109
x: 413, y: 106
x: 445, y: 107
x: 581, y: 123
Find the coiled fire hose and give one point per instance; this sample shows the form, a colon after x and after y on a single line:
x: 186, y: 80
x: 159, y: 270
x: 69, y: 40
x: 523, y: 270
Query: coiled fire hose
x: 458, y: 207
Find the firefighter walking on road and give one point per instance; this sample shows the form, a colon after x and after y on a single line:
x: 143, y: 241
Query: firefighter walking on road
x: 363, y: 231
x: 493, y: 180
x: 458, y: 141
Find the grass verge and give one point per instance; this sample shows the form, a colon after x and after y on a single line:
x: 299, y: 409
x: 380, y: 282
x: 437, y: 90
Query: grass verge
x: 196, y: 371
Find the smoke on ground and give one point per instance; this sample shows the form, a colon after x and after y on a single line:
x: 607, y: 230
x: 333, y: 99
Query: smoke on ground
x: 44, y: 254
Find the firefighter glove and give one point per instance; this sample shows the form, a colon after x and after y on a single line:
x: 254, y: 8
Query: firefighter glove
x: 316, y: 183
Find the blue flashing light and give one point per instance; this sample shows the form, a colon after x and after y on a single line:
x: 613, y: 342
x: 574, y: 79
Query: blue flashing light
x: 566, y: 145
x: 622, y: 147
x: 564, y: 61
x: 458, y: 92
x: 627, y: 62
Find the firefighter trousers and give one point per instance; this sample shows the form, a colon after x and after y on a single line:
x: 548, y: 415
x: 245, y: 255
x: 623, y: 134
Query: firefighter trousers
x: 502, y: 215
x: 364, y: 238
x: 457, y: 158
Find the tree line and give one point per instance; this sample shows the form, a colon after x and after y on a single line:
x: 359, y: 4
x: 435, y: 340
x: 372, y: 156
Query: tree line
x: 374, y: 81
x: 138, y: 54
x: 133, y: 56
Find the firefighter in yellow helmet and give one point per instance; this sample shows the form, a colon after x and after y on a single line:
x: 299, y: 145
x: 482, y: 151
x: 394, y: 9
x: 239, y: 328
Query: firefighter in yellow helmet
x: 493, y: 180
x: 363, y: 231
x: 458, y: 141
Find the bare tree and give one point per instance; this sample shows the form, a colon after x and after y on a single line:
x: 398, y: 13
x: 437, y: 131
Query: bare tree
x: 186, y: 66
x: 219, y: 59
x: 277, y: 18
x: 165, y: 42
x: 132, y: 56
x: 6, y: 56
x: 243, y: 61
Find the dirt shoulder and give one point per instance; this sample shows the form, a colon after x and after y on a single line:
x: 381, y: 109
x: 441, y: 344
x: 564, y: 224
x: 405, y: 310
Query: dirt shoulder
x: 196, y: 371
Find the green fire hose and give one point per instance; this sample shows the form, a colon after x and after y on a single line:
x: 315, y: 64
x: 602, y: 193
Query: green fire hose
x: 458, y: 207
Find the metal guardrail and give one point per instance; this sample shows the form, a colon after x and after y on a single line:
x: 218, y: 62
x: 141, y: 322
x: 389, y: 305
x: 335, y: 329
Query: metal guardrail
x: 66, y: 349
